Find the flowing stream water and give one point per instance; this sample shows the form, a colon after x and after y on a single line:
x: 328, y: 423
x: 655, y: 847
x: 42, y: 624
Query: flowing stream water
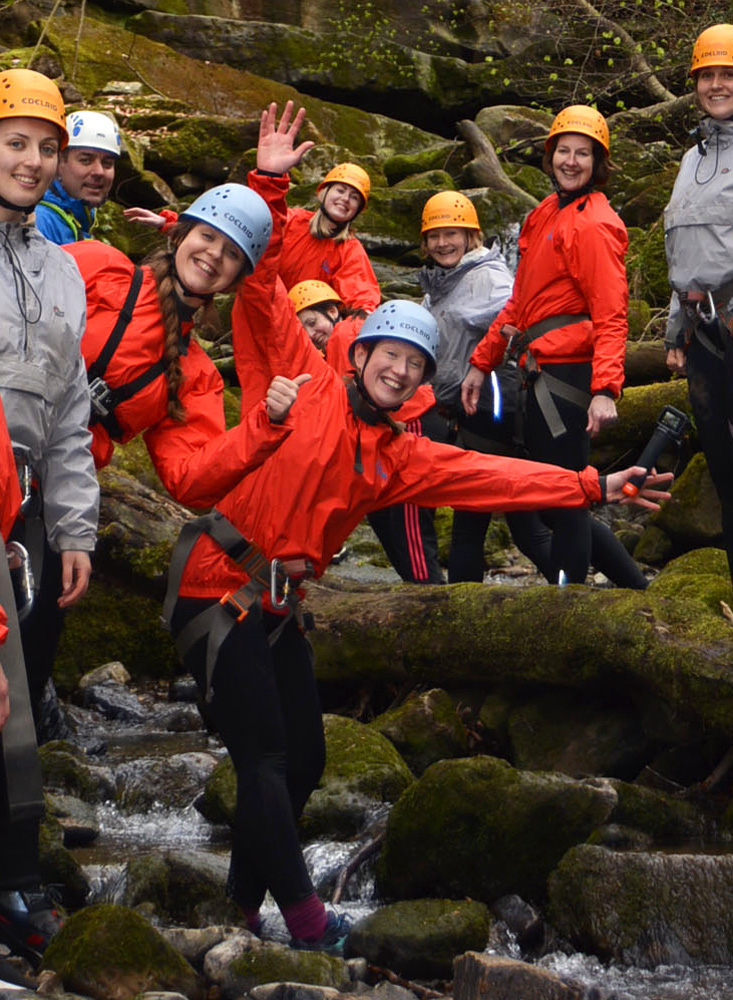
x: 139, y: 753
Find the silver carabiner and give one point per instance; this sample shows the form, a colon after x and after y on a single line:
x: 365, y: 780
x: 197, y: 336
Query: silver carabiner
x: 24, y: 469
x: 20, y: 562
x: 275, y: 601
x: 707, y: 317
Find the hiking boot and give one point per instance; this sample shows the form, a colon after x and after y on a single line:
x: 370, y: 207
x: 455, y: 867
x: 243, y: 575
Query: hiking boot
x: 28, y: 921
x: 333, y: 939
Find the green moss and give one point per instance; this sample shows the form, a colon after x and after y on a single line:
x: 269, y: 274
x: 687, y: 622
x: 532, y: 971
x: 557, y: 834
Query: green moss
x: 107, y: 947
x: 273, y: 964
x: 114, y: 623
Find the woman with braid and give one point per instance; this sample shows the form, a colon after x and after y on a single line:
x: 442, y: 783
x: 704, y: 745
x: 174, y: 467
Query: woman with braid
x: 147, y: 375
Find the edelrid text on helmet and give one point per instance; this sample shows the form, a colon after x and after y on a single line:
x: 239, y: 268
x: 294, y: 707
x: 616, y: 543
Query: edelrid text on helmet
x: 402, y: 320
x: 351, y: 174
x: 713, y: 47
x: 446, y: 209
x: 237, y: 212
x: 581, y: 119
x: 24, y: 93
x: 93, y: 130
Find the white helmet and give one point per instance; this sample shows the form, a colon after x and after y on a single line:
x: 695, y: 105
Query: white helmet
x: 93, y: 130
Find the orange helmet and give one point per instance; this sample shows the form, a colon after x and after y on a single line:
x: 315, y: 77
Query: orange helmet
x: 27, y: 94
x: 348, y: 173
x: 713, y: 47
x: 307, y: 294
x: 583, y: 120
x: 449, y: 208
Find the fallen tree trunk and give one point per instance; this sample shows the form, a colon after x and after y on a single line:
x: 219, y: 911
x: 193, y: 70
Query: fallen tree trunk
x: 647, y: 644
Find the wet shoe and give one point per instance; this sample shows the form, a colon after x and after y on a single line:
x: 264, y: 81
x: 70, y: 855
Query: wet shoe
x: 333, y: 939
x: 28, y: 921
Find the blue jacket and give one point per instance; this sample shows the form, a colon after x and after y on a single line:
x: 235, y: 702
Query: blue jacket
x: 63, y: 219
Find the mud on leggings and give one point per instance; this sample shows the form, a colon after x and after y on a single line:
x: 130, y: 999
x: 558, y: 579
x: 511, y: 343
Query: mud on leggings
x: 266, y: 709
x: 710, y: 389
x: 571, y: 536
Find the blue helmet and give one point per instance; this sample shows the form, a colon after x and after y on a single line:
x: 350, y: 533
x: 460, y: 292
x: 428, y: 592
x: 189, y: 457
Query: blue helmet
x: 403, y: 320
x: 237, y: 212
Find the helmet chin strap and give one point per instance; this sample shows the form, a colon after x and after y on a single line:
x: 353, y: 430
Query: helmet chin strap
x: 187, y: 291
x: 25, y: 209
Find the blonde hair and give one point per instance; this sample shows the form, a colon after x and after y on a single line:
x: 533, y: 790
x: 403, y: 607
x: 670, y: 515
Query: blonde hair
x: 320, y: 228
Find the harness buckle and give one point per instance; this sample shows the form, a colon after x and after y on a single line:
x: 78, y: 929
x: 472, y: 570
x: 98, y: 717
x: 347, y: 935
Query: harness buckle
x: 705, y: 308
x: 24, y: 469
x: 276, y: 572
x: 19, y: 563
x: 101, y: 397
x: 232, y: 605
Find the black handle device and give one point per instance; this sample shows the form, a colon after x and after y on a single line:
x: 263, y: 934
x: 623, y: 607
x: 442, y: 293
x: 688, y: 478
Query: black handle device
x: 671, y: 427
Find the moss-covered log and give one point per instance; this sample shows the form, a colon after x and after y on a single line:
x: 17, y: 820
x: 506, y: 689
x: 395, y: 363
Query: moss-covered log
x: 651, y: 643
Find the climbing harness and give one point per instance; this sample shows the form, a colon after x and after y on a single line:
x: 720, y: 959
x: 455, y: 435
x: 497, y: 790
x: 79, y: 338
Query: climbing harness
x: 545, y: 385
x: 280, y: 579
x: 104, y: 398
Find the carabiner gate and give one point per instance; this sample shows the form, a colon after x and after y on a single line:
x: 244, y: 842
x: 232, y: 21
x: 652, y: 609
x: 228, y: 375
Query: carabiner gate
x: 275, y: 601
x: 709, y: 305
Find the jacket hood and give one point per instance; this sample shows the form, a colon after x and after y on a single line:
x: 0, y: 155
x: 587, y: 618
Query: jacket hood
x: 436, y: 281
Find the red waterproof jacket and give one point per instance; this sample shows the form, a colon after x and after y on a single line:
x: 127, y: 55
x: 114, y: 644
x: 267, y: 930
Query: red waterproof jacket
x: 334, y: 468
x: 262, y: 299
x: 9, y: 500
x: 344, y: 266
x: 198, y: 461
x: 571, y: 262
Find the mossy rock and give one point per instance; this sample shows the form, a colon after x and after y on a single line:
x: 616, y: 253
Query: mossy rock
x: 219, y: 801
x: 654, y: 547
x: 700, y: 576
x: 508, y: 123
x: 429, y: 180
x: 638, y: 412
x: 479, y: 827
x: 110, y: 953
x: 645, y: 909
x: 420, y: 938
x: 362, y: 770
x: 67, y: 769
x: 184, y: 887
x: 667, y: 819
x: 424, y: 729
x: 448, y: 157
x: 693, y: 516
x: 275, y: 964
x: 579, y: 733
x: 59, y: 866
x: 531, y: 179
x: 113, y: 622
x: 640, y: 316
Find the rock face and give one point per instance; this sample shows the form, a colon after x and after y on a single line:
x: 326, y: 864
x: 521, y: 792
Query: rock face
x: 421, y: 937
x: 479, y: 828
x: 646, y: 909
x: 110, y: 953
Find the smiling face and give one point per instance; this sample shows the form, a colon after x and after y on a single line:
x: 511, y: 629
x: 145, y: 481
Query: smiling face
x: 572, y: 161
x: 207, y: 261
x: 341, y: 201
x: 392, y: 373
x: 714, y: 89
x: 318, y: 325
x: 87, y: 174
x: 446, y: 245
x: 29, y: 151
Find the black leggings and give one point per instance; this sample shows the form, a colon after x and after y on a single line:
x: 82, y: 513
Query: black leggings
x: 265, y: 707
x: 571, y: 529
x: 711, y: 397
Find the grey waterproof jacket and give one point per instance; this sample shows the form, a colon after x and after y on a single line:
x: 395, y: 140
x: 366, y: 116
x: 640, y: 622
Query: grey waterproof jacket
x: 698, y: 223
x: 43, y: 380
x: 465, y: 300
